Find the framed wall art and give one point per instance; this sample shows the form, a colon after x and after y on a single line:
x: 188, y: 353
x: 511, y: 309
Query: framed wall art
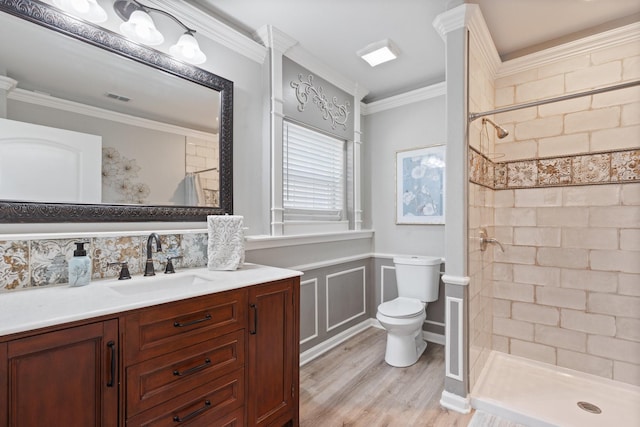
x: 420, y: 183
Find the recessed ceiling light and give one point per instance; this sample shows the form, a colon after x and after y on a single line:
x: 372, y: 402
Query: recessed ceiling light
x: 378, y: 52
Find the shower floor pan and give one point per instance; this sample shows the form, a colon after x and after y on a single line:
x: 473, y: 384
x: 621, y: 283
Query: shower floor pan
x: 541, y: 395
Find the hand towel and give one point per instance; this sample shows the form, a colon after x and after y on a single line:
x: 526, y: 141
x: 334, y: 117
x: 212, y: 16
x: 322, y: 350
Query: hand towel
x: 226, y: 242
x: 194, y: 196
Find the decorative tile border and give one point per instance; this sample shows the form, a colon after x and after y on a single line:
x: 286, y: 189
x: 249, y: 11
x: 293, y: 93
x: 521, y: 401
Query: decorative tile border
x: 27, y: 264
x: 581, y: 169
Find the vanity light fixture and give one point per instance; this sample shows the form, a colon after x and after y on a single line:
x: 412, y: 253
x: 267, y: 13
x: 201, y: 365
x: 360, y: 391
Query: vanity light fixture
x: 89, y: 10
x: 139, y: 26
x: 378, y: 52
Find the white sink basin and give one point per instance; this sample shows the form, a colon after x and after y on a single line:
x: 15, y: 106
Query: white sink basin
x: 160, y: 283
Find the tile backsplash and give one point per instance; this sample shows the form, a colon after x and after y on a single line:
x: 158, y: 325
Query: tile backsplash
x: 26, y: 264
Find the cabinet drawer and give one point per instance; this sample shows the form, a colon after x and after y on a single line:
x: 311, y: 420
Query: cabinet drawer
x: 169, y: 327
x: 208, y: 405
x: 160, y: 379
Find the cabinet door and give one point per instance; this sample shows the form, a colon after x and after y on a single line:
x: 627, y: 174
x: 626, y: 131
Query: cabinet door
x: 273, y: 353
x: 67, y: 377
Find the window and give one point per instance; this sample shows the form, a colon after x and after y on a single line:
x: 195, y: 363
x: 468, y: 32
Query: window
x: 313, y: 175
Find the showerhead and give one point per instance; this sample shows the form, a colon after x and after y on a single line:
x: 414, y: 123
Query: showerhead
x: 501, y: 132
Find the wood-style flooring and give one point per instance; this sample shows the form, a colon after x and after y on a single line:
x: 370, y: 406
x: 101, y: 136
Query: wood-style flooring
x: 352, y: 386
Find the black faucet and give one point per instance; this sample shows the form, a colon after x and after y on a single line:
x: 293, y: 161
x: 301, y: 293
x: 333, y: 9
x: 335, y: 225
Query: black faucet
x: 149, y: 270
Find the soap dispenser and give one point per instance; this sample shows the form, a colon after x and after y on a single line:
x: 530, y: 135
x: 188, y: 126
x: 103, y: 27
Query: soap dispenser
x: 79, y: 266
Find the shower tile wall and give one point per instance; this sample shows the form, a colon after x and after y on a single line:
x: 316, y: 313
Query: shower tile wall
x: 480, y: 214
x: 567, y: 288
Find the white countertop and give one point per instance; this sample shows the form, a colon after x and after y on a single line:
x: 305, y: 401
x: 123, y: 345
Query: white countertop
x: 37, y: 308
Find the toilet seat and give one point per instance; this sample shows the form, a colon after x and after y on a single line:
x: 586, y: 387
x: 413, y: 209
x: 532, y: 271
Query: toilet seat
x: 401, y: 308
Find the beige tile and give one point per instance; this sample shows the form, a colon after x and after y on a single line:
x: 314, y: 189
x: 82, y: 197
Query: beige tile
x: 540, y: 89
x: 516, y: 78
x: 591, y: 168
x: 626, y: 372
x: 503, y: 234
x: 515, y: 116
x: 630, y: 239
x: 614, y: 305
x: 589, y: 323
x: 516, y: 255
x: 513, y: 291
x: 538, y: 197
x: 593, y: 77
x: 503, y: 272
x: 572, y: 63
x: 614, y: 216
x: 561, y: 217
x: 629, y: 284
x: 589, y: 280
x: 630, y: 114
x: 506, y: 198
x: 536, y: 275
x: 515, y: 217
x: 631, y: 68
x: 590, y: 238
x: 616, y: 97
x: 536, y: 236
x: 613, y: 348
x: 585, y: 363
x: 628, y: 329
x: 505, y: 96
x: 562, y: 145
x: 603, y: 118
x: 591, y: 195
x: 562, y: 338
x: 608, y: 53
x: 533, y: 351
x: 631, y: 194
x: 500, y: 343
x: 622, y: 261
x: 565, y: 107
x: 513, y: 328
x: 539, y: 128
x: 502, y: 308
x: 517, y: 150
x: 615, y: 138
x: 559, y: 297
x: 563, y: 257
x: 535, y: 313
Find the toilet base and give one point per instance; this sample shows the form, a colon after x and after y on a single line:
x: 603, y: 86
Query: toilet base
x: 404, y: 350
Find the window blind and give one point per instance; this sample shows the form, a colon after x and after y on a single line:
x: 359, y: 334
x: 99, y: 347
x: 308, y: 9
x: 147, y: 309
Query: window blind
x: 313, y: 175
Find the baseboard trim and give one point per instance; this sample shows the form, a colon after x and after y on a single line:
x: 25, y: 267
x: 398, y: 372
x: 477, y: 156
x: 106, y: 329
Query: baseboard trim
x: 455, y: 403
x: 334, y: 341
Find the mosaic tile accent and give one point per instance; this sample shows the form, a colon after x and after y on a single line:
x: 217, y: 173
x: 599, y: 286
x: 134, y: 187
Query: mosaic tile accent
x: 554, y: 171
x: 583, y: 169
x: 625, y: 166
x: 14, y: 264
x: 116, y: 249
x: 591, y: 168
x: 522, y: 174
x: 49, y: 261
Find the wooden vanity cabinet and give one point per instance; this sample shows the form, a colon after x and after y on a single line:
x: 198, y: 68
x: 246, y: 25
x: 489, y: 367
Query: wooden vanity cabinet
x: 67, y: 377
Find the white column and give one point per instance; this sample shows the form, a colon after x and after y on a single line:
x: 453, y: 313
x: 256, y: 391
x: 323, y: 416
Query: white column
x: 357, y: 158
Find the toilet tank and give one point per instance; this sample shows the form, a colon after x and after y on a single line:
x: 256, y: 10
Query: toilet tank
x: 418, y: 277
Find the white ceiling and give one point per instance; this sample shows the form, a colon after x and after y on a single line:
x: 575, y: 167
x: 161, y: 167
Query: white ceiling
x: 333, y: 30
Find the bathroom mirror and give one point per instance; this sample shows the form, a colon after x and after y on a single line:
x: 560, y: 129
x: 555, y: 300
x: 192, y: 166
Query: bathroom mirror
x: 200, y: 106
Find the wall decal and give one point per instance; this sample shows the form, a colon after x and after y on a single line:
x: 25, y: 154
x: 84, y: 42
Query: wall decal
x: 119, y: 176
x: 305, y: 91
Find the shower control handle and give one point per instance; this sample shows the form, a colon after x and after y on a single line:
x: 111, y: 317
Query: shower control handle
x: 485, y: 240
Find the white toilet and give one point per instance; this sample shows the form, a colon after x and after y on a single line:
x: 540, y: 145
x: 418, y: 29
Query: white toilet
x: 418, y: 280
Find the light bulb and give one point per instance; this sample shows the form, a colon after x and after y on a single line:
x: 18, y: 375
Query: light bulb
x: 89, y: 10
x: 188, y: 50
x: 140, y: 28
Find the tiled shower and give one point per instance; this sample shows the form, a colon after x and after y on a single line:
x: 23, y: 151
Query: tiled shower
x: 562, y: 194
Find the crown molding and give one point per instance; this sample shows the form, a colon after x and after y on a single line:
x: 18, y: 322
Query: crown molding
x: 452, y: 19
x: 210, y: 27
x: 480, y: 32
x: 274, y: 38
x: 100, y: 113
x: 422, y: 94
x: 607, y: 39
x: 7, y: 83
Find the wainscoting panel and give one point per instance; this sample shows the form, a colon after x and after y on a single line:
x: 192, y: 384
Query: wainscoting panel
x: 308, y: 310
x: 346, y: 296
x: 388, y: 288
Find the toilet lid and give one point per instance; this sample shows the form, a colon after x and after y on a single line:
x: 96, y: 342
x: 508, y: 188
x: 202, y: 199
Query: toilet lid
x: 401, y: 307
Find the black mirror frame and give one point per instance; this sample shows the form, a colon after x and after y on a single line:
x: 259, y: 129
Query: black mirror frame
x: 35, y: 212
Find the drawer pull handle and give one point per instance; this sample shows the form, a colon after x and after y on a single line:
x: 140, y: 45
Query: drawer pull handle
x: 112, y: 347
x: 254, y: 310
x: 190, y: 371
x: 178, y: 419
x: 182, y: 325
